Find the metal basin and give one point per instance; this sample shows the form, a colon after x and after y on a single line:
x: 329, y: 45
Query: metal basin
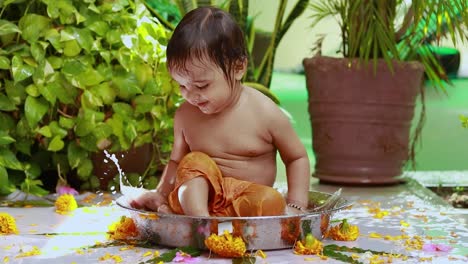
x: 263, y: 232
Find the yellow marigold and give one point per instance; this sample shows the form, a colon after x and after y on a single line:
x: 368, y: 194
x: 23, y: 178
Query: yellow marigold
x: 344, y: 232
x: 124, y: 229
x: 308, y: 246
x: 226, y: 245
x: 65, y: 203
x: 7, y: 224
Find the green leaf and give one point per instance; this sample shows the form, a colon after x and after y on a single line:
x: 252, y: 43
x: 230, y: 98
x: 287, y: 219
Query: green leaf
x: 6, y: 104
x: 84, y: 126
x: 168, y: 256
x: 65, y: 92
x: 37, y: 51
x: 33, y: 187
x: 22, y: 128
x: 71, y: 48
x: 89, y: 142
x: 6, y: 27
x: 127, y: 84
x: 85, y: 168
x: 5, y: 186
x: 244, y: 260
x: 32, y: 90
x: 86, y: 121
x: 83, y: 36
x: 73, y: 67
x: 75, y: 155
x: 5, y: 138
x: 102, y: 131
x: 4, y: 63
x: 55, y: 61
x: 20, y: 71
x: 7, y: 122
x: 9, y: 160
x: 47, y: 92
x: 23, y: 146
x: 122, y: 109
x: 90, y: 100
x: 91, y: 77
x: 144, y: 103
x: 57, y: 129
x: 32, y: 26
x: 35, y: 109
x: 100, y: 27
x: 56, y: 144
x: 33, y: 170
x: 45, y: 131
x: 16, y: 92
x: 105, y: 92
x: 339, y: 256
x: 130, y: 132
x: 53, y: 36
x: 66, y: 122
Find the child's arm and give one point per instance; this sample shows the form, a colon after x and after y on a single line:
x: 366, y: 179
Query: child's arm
x: 294, y: 156
x: 154, y: 200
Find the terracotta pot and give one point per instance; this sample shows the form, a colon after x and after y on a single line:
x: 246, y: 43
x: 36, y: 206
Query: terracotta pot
x: 360, y: 120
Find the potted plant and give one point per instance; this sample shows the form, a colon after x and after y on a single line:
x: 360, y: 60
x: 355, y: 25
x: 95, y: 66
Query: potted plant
x: 78, y: 78
x: 361, y: 106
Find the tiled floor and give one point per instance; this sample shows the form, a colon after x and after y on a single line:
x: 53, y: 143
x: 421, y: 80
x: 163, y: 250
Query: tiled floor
x: 389, y: 219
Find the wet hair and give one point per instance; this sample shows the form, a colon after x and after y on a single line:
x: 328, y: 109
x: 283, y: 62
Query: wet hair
x: 207, y: 33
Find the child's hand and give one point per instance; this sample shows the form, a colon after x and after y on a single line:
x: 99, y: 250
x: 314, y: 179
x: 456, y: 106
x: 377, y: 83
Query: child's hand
x: 152, y: 201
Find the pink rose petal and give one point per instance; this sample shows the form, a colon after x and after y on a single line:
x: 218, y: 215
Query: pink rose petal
x: 66, y: 190
x: 436, y: 248
x: 185, y: 258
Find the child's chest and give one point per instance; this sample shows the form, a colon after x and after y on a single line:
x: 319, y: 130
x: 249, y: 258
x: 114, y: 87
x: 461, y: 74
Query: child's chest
x: 243, y: 135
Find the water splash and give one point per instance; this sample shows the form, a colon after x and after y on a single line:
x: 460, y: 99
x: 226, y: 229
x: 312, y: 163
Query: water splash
x: 130, y: 192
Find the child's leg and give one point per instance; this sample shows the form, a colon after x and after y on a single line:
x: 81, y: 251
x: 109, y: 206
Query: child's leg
x: 260, y: 200
x: 193, y: 197
x: 198, y: 178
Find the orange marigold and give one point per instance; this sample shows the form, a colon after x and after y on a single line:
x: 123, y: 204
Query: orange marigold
x: 226, y: 245
x: 308, y: 246
x: 7, y: 224
x: 344, y: 232
x: 65, y: 203
x: 124, y: 229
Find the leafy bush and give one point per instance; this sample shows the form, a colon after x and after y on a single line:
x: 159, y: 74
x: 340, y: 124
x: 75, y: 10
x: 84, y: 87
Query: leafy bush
x: 78, y: 77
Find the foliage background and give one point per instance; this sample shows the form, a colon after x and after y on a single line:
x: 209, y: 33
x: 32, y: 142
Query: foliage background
x: 78, y: 77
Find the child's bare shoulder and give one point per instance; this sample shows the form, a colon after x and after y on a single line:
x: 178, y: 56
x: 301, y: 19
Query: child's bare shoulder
x: 262, y: 103
x: 185, y: 111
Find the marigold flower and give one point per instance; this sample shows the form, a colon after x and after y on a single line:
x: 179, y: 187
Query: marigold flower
x: 308, y: 246
x: 7, y: 224
x: 65, y: 203
x: 226, y: 245
x: 344, y: 232
x: 124, y: 229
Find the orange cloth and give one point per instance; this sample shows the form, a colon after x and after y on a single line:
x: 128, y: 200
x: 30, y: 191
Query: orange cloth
x: 228, y: 196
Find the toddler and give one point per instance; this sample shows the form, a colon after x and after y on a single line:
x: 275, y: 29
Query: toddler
x: 226, y: 135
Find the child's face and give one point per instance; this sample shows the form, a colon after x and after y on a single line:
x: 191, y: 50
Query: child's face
x: 204, y: 85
